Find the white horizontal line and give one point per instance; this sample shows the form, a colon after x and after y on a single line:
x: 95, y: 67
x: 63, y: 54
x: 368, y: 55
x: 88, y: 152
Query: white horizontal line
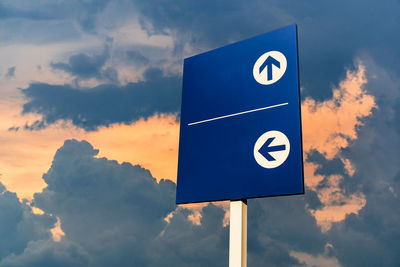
x: 236, y: 114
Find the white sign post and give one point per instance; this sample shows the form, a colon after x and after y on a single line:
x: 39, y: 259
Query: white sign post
x: 238, y: 233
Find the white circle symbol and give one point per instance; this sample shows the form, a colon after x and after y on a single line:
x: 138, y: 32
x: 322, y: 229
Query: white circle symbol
x: 270, y: 67
x: 271, y: 149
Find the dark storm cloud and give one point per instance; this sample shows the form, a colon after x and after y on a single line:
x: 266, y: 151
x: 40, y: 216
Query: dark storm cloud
x: 38, y: 23
x: 119, y: 206
x: 330, y: 33
x: 371, y: 238
x: 327, y: 44
x: 105, y: 104
x: 18, y: 225
x: 326, y: 167
x: 113, y: 214
x: 280, y: 218
x: 84, y: 12
x: 277, y: 226
x: 121, y: 210
x: 86, y: 66
x: 54, y: 22
x: 185, y: 244
x: 47, y: 253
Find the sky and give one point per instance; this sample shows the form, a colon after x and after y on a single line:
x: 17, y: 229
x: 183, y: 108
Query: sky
x: 90, y: 97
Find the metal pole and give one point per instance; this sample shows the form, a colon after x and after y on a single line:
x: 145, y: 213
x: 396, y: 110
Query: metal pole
x: 238, y: 234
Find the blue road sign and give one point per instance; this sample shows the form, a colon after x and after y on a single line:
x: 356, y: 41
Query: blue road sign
x: 240, y: 134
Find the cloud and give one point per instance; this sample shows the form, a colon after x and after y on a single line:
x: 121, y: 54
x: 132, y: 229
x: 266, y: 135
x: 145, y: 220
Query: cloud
x: 128, y: 214
x: 11, y: 72
x: 24, y: 157
x: 85, y: 66
x: 124, y: 209
x: 47, y: 253
x: 137, y: 57
x: 104, y: 105
x: 121, y: 210
x: 369, y: 237
x: 293, y: 242
x: 200, y: 26
x: 324, y: 259
x: 197, y: 27
x: 328, y: 127
x: 18, y: 225
x: 36, y: 26
x: 352, y: 174
x: 83, y: 12
x: 276, y: 222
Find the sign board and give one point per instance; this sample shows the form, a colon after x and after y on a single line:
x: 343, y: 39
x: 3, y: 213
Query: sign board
x: 240, y: 132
